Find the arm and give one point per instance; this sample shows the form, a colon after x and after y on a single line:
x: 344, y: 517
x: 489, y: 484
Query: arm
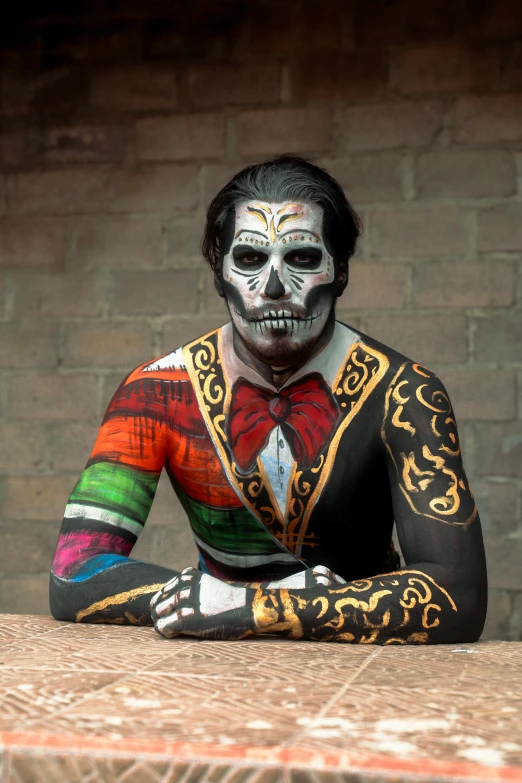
x: 92, y: 578
x: 440, y: 596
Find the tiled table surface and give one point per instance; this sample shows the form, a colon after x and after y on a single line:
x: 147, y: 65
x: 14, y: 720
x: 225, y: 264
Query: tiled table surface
x: 86, y: 703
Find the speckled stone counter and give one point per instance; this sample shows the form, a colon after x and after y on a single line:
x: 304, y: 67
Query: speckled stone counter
x: 86, y: 703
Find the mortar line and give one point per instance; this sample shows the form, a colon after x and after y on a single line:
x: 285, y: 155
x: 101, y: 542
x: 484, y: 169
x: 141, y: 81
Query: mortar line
x: 28, y: 638
x: 331, y: 701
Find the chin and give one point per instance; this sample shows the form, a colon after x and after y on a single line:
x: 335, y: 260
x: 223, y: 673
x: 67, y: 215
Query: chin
x: 281, y: 343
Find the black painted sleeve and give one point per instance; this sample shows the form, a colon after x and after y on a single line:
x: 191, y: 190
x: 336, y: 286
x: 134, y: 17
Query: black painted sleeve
x: 440, y: 596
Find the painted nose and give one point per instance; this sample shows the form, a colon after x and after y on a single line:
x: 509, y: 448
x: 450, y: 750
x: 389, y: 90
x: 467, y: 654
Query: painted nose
x: 274, y: 287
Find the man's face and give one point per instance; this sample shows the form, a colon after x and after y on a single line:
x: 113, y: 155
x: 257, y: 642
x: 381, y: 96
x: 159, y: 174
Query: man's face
x: 279, y: 279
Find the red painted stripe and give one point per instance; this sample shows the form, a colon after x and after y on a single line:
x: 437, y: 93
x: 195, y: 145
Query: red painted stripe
x: 317, y: 759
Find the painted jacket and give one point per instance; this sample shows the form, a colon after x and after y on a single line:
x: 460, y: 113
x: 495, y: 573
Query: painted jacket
x: 269, y: 479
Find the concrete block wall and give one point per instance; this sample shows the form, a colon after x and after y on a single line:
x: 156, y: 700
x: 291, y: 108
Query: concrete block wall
x: 119, y: 121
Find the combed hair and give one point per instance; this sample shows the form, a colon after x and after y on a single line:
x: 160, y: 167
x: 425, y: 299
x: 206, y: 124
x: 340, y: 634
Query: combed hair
x: 286, y: 178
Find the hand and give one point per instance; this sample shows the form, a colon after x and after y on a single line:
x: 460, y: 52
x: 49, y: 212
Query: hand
x: 197, y: 604
x: 319, y: 575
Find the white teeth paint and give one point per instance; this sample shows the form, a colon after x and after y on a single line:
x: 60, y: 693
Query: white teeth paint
x: 282, y: 321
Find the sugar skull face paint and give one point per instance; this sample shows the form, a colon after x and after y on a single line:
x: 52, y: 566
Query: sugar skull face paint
x: 278, y: 278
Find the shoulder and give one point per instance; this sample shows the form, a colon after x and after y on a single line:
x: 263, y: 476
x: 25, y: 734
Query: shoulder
x: 170, y: 367
x: 395, y: 361
x: 418, y: 412
x: 401, y: 368
x: 410, y: 388
x: 417, y: 393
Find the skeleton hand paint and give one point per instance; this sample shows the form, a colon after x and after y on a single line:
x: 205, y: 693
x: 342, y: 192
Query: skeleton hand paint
x: 197, y: 604
x: 279, y: 279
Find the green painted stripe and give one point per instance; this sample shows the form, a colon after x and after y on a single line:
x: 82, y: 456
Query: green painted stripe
x: 117, y: 488
x: 233, y: 530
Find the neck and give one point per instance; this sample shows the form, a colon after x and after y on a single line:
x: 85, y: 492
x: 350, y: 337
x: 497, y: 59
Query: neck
x: 277, y: 376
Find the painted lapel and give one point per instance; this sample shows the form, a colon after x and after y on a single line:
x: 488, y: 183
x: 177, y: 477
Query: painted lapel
x: 360, y: 372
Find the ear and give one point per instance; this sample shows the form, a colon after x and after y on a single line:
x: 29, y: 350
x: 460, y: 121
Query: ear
x: 218, y: 280
x: 341, y: 277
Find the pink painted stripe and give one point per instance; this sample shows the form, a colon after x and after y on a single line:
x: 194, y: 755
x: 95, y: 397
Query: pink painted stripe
x: 74, y: 548
x: 307, y: 758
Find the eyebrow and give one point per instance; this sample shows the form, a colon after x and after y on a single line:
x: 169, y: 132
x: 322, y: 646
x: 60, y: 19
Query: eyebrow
x: 300, y: 230
x: 259, y: 214
x: 289, y: 206
x: 286, y: 218
x: 249, y: 231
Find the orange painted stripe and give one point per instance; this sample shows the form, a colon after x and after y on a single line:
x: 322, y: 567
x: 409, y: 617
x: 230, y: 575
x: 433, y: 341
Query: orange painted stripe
x: 209, y: 494
x: 195, y: 466
x: 143, y: 449
x: 296, y: 756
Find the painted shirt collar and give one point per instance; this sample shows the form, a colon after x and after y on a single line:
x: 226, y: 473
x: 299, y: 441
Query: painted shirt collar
x: 328, y: 362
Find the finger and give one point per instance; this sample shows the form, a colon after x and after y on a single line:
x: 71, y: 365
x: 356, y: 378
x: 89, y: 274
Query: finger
x: 169, y: 588
x: 172, y: 601
x: 323, y: 580
x: 173, y: 624
x: 165, y: 590
x: 158, y: 599
x: 321, y: 570
x: 181, y: 595
x: 165, y: 606
x: 185, y: 576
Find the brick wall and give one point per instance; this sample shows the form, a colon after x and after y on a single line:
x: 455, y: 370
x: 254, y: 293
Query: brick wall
x: 116, y: 128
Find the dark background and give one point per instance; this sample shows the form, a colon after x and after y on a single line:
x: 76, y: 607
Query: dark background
x: 118, y: 122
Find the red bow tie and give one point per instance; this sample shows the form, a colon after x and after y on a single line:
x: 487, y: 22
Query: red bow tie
x: 306, y: 411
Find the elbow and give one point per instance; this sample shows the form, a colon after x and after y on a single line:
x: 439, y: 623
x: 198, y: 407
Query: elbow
x: 474, y: 625
x: 468, y: 623
x: 59, y: 600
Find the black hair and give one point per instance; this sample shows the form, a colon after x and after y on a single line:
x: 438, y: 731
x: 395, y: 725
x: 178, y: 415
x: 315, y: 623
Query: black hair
x: 285, y: 178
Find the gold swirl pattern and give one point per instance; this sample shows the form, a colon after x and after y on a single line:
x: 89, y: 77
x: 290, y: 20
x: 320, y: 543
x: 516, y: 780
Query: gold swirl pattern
x: 398, y: 608
x: 304, y: 491
x: 254, y: 488
x: 206, y: 356
x: 420, y: 434
x: 356, y: 377
x: 213, y: 391
x: 319, y: 466
x: 217, y: 422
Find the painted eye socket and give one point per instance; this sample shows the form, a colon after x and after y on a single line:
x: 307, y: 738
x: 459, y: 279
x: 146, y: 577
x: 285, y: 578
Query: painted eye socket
x: 247, y: 258
x: 306, y: 258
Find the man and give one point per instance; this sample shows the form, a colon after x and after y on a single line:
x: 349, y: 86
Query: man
x: 293, y: 443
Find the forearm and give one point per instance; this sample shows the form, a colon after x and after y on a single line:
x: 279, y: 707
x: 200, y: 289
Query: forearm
x: 119, y: 593
x: 411, y: 606
x: 422, y: 604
